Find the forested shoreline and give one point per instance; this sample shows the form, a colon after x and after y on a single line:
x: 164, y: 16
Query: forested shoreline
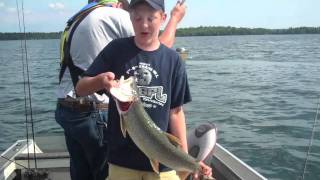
x: 191, y: 31
x: 30, y: 35
x: 224, y: 31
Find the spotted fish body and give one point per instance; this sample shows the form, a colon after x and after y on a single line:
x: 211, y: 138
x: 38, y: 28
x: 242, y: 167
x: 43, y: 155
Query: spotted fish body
x: 158, y: 146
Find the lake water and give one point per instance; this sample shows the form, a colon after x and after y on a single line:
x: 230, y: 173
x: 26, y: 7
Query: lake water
x: 260, y: 91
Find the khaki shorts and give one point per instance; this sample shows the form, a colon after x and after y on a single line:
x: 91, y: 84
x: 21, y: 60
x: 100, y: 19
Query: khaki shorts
x: 122, y: 173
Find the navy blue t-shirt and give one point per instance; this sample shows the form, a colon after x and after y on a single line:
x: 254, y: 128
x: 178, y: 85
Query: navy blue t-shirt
x: 162, y: 84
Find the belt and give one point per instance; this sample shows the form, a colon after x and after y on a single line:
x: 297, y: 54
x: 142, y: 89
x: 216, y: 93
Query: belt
x: 82, y: 106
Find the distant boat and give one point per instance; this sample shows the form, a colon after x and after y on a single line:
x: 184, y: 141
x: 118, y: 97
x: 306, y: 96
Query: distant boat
x: 53, y: 162
x: 183, y: 52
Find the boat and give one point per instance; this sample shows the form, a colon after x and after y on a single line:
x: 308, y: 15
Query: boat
x: 51, y: 161
x: 183, y: 52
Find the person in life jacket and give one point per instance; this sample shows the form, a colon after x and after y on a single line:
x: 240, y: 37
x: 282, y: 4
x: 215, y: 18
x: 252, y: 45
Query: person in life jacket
x: 84, y: 119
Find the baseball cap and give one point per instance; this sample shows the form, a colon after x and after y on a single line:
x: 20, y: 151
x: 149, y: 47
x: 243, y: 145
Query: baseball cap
x: 155, y: 4
x: 108, y: 1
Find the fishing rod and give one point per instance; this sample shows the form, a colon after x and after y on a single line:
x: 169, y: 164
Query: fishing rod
x: 311, y: 140
x: 30, y: 173
x: 24, y: 85
x: 26, y: 80
x: 28, y: 83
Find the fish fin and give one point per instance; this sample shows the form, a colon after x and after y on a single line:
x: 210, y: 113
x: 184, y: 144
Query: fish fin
x: 123, y: 126
x: 174, y: 140
x: 155, y: 165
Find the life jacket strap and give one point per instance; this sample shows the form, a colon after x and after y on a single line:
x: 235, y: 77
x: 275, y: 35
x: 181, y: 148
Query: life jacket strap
x: 66, y: 38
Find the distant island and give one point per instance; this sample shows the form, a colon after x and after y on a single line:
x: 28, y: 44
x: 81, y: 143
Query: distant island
x: 191, y: 31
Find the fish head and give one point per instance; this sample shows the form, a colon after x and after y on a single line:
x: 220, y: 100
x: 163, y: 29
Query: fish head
x: 125, y: 94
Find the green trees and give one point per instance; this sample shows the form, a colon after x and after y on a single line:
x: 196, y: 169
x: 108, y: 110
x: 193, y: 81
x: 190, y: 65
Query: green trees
x: 222, y: 30
x: 191, y: 31
x: 30, y: 35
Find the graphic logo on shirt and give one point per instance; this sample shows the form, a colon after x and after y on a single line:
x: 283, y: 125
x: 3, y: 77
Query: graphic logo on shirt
x: 151, y: 96
x: 143, y: 76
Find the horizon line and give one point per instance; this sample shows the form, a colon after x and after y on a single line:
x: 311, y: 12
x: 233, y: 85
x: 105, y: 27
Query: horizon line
x: 193, y: 27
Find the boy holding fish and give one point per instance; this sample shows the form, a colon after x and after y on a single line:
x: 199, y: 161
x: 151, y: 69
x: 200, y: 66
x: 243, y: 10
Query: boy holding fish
x: 162, y: 86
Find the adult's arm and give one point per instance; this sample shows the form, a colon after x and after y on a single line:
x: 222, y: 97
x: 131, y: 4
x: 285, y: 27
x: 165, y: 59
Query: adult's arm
x: 167, y: 37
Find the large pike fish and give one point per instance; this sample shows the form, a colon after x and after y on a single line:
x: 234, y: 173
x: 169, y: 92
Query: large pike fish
x: 157, y: 145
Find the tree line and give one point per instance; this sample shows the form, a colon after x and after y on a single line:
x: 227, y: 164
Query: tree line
x: 223, y: 31
x: 30, y: 35
x: 191, y: 31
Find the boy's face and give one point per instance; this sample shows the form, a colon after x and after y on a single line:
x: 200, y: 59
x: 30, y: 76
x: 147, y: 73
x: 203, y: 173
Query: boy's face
x: 146, y: 23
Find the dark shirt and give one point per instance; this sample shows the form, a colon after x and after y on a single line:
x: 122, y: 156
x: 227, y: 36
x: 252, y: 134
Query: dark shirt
x: 162, y: 84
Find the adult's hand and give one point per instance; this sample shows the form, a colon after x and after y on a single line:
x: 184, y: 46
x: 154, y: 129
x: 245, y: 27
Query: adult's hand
x: 168, y: 35
x: 178, y: 11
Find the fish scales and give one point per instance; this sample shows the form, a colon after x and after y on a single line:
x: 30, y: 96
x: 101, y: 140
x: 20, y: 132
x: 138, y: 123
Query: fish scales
x: 154, y: 142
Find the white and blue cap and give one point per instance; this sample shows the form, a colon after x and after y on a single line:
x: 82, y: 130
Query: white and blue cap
x: 155, y: 4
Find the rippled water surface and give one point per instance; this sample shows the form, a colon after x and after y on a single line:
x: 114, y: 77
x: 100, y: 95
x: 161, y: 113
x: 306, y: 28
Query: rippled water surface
x: 260, y: 91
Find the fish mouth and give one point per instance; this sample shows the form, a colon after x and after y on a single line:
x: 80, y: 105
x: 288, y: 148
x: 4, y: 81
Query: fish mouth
x: 124, y: 94
x: 123, y: 107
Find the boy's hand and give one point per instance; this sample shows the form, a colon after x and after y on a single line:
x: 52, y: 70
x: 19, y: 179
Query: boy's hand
x: 205, y: 170
x: 108, y: 80
x: 178, y: 11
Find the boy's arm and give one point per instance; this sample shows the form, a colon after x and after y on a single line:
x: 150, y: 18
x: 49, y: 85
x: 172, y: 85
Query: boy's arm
x: 178, y: 126
x: 178, y: 129
x: 167, y: 37
x: 89, y: 85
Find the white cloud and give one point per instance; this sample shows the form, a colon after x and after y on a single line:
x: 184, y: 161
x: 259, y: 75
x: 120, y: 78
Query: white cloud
x: 11, y: 10
x: 56, y: 6
x: 27, y: 12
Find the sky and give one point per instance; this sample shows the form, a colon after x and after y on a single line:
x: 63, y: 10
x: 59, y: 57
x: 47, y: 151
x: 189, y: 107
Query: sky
x: 51, y: 15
